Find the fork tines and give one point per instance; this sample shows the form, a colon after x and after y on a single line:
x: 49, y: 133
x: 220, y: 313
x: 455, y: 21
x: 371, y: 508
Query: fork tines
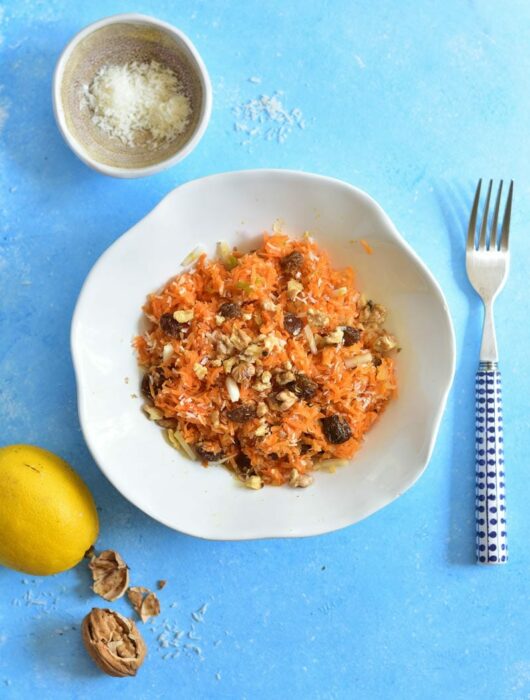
x: 490, y: 238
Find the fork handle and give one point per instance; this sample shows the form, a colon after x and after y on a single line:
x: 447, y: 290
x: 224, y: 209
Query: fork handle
x: 492, y: 547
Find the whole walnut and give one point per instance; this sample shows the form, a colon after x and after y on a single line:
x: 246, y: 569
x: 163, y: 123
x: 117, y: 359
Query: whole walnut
x: 114, y: 642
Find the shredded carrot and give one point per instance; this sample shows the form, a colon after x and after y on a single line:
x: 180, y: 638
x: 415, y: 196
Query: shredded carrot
x: 257, y: 322
x: 367, y: 247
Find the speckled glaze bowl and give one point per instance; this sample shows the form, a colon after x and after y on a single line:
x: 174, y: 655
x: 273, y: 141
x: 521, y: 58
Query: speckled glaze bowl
x: 118, y: 40
x: 240, y: 206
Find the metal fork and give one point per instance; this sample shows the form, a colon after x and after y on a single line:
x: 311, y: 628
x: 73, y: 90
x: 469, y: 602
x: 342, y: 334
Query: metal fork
x: 487, y: 264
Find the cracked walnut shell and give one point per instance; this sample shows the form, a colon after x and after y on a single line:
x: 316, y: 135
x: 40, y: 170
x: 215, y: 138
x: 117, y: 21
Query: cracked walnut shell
x: 110, y: 574
x: 145, y: 603
x: 114, y: 642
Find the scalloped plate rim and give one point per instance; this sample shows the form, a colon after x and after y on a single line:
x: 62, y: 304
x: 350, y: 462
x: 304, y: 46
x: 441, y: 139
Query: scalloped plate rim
x: 136, y: 231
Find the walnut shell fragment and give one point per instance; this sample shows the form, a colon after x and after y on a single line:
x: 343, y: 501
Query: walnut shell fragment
x: 114, y: 642
x: 144, y: 601
x: 110, y: 574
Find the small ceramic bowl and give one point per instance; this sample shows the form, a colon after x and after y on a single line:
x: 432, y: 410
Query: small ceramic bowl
x: 118, y: 40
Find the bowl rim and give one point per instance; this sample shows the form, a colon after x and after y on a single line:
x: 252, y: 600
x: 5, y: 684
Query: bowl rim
x: 307, y: 532
x: 59, y: 113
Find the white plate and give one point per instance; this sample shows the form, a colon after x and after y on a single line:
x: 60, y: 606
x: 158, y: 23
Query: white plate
x: 237, y: 207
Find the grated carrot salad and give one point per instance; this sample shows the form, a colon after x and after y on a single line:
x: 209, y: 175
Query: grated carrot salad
x: 270, y: 362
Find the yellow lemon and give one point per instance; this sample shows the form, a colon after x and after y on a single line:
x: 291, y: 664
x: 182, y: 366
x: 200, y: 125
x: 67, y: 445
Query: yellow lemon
x: 48, y: 518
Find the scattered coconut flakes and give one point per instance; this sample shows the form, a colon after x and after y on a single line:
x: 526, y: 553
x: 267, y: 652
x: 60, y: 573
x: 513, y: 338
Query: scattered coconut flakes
x: 199, y: 614
x: 266, y: 117
x: 172, y: 638
x: 110, y: 574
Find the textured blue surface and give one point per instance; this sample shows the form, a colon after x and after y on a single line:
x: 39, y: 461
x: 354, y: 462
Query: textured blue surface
x: 412, y: 102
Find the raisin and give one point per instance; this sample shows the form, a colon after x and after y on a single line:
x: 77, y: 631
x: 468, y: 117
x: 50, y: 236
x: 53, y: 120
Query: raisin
x: 303, y: 387
x: 292, y: 324
x: 243, y: 413
x: 350, y: 335
x: 336, y: 429
x: 292, y: 263
x: 208, y: 455
x: 230, y: 310
x: 244, y: 464
x: 304, y: 448
x: 272, y: 455
x: 152, y: 382
x: 170, y: 326
x: 157, y: 379
x: 377, y: 361
x: 145, y: 386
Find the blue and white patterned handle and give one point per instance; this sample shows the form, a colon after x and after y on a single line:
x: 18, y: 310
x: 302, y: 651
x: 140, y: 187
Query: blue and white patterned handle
x: 492, y: 547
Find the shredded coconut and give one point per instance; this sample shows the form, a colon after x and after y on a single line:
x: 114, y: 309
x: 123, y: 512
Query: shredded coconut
x: 265, y: 117
x: 138, y: 103
x: 172, y: 638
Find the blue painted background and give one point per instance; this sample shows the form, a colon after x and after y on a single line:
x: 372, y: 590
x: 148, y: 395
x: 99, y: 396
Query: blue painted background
x: 410, y: 101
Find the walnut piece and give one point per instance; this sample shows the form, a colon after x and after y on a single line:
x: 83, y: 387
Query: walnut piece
x: 262, y: 430
x: 200, y: 370
x: 253, y: 482
x: 144, y: 601
x: 334, y: 338
x: 183, y: 315
x: 283, y: 378
x: 285, y: 400
x: 299, y: 481
x: 243, y: 372
x: 373, y: 314
x: 110, y: 574
x: 294, y: 288
x: 318, y: 318
x: 385, y: 343
x: 114, y: 642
